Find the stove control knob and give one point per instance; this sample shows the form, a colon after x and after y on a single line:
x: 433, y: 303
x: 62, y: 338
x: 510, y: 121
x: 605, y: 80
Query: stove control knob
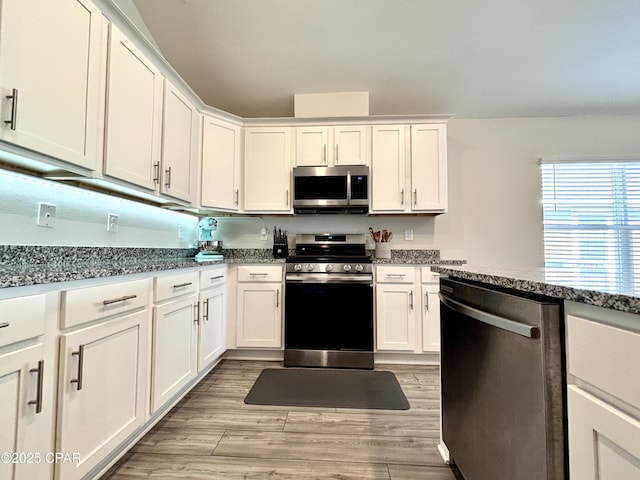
x: 297, y: 267
x: 309, y: 267
x: 359, y: 268
x: 347, y: 268
x: 328, y: 268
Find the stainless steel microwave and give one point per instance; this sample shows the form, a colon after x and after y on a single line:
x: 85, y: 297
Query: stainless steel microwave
x: 331, y: 189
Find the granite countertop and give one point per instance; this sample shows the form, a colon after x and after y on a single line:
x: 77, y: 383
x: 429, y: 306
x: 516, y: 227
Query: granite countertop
x: 537, y: 281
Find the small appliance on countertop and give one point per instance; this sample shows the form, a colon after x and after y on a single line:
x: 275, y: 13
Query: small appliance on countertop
x: 210, y: 249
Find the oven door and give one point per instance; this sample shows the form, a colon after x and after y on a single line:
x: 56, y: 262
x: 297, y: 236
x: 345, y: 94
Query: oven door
x: 329, y: 321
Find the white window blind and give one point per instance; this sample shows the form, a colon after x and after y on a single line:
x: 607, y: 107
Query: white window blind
x: 592, y: 224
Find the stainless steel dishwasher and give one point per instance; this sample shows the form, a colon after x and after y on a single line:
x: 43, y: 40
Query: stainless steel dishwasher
x: 503, y: 383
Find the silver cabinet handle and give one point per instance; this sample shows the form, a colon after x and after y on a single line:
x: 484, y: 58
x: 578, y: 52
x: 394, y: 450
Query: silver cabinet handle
x: 277, y: 298
x: 258, y: 274
x: 411, y: 300
x: 237, y: 200
x: 121, y: 299
x: 426, y: 301
x: 402, y: 197
x: 78, y: 380
x: 180, y: 285
x: 336, y: 159
x: 324, y: 153
x: 40, y: 371
x: 415, y: 197
x: 401, y: 275
x: 167, y: 182
x: 156, y: 172
x: 219, y: 277
x: 14, y: 108
x: 4, y: 325
x: 205, y: 314
x: 523, y: 329
x: 196, y: 313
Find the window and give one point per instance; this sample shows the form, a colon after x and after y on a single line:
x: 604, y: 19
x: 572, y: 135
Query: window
x: 591, y: 215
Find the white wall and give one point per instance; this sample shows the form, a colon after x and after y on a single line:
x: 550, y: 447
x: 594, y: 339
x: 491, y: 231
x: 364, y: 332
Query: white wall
x: 81, y: 217
x: 495, y: 215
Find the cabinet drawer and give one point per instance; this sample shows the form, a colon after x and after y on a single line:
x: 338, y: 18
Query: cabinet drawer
x: 606, y: 357
x: 84, y: 305
x: 21, y: 318
x: 213, y: 277
x: 395, y: 274
x: 260, y: 273
x: 428, y: 276
x: 171, y: 286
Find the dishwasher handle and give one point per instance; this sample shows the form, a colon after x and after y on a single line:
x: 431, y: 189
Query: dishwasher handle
x: 523, y: 329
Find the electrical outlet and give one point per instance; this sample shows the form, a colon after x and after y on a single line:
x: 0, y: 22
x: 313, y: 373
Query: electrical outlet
x: 46, y: 215
x: 180, y: 231
x: 112, y: 222
x: 263, y: 234
x: 408, y: 235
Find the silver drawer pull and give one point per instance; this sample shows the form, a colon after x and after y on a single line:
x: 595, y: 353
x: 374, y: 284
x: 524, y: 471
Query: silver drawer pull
x: 80, y: 354
x: 121, y: 299
x: 180, y: 285
x: 218, y: 277
x: 259, y: 274
x: 14, y: 108
x: 396, y: 274
x: 4, y: 325
x: 38, y: 401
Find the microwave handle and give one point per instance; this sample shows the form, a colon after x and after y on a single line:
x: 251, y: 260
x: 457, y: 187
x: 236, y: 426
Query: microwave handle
x: 348, y: 188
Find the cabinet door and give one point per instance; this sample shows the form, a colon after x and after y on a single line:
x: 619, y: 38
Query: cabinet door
x: 351, y: 145
x: 604, y: 443
x: 395, y: 317
x: 175, y: 333
x: 212, y: 341
x: 388, y: 169
x: 101, y: 390
x: 430, y: 318
x: 180, y: 133
x: 134, y: 114
x: 428, y: 168
x: 259, y: 322
x: 53, y: 55
x: 267, y: 170
x: 220, y: 178
x: 312, y: 144
x: 26, y: 413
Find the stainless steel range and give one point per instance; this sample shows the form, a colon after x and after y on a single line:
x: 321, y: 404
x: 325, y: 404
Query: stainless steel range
x: 329, y: 303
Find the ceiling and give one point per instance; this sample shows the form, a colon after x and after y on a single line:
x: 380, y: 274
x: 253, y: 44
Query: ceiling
x: 469, y: 58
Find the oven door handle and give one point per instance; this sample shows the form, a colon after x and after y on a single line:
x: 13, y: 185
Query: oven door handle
x: 323, y: 278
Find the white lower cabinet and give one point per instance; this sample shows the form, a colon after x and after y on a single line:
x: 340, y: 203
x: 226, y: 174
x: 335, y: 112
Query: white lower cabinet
x: 259, y: 307
x: 101, y: 390
x: 603, y: 398
x: 430, y: 310
x: 407, y: 309
x: 212, y: 334
x: 174, y: 338
x: 26, y: 416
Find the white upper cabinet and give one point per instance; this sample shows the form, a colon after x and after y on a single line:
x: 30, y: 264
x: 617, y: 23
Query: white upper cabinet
x: 267, y: 169
x: 134, y: 114
x: 52, y: 61
x: 388, y: 182
x: 180, y: 136
x: 428, y: 168
x: 332, y: 146
x: 220, y: 174
x: 409, y: 169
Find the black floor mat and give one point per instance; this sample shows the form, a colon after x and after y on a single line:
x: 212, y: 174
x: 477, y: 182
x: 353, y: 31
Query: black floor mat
x: 333, y: 388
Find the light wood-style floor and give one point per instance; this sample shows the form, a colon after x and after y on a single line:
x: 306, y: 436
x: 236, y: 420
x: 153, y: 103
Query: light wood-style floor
x: 212, y: 434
